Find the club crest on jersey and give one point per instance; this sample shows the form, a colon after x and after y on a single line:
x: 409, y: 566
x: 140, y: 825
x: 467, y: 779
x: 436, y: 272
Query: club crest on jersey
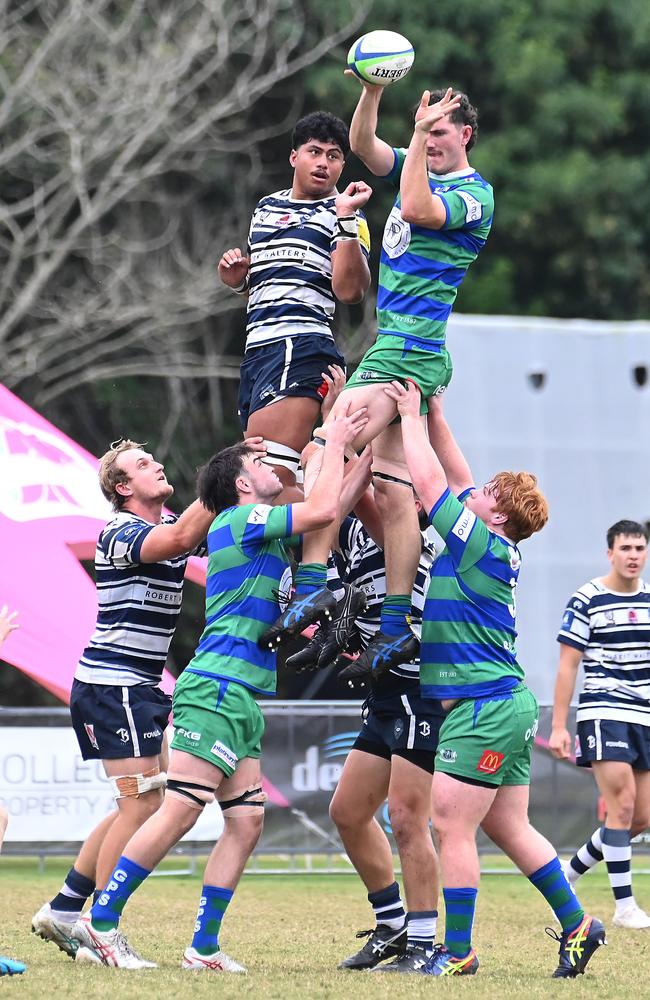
x: 446, y: 753
x: 490, y: 762
x: 398, y: 729
x: 609, y: 617
x: 632, y: 616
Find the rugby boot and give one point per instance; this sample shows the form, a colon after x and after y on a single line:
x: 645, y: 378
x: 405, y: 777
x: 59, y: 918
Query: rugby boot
x: 10, y: 967
x: 351, y: 605
x: 577, y: 946
x: 443, y: 963
x: 632, y: 918
x: 411, y: 961
x: 307, y: 657
x: 382, y: 943
x: 106, y: 948
x: 217, y: 962
x: 52, y: 928
x: 301, y: 611
x: 384, y: 652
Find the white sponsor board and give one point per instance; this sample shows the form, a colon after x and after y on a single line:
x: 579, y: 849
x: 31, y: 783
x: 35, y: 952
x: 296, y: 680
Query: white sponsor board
x: 51, y: 794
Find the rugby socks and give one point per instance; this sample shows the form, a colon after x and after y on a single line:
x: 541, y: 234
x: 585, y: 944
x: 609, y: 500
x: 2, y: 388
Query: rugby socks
x: 394, y: 614
x: 551, y: 881
x: 586, y: 857
x: 460, y: 905
x: 212, y: 907
x: 617, y: 851
x: 387, y: 907
x: 127, y: 876
x: 69, y: 901
x: 421, y: 929
x: 309, y: 578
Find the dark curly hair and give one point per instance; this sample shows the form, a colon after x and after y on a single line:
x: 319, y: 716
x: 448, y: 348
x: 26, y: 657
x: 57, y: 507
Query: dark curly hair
x: 324, y: 127
x: 215, y: 481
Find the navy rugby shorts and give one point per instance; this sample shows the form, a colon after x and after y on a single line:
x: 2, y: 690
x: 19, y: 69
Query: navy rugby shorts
x: 604, y: 739
x: 289, y: 367
x: 112, y: 722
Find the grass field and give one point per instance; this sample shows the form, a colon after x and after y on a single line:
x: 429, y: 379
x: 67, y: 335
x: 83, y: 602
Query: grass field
x: 290, y: 931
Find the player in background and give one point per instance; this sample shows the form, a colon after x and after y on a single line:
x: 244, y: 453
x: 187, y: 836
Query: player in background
x: 216, y: 748
x: 8, y: 623
x: 119, y: 712
x: 307, y: 249
x: 606, y: 626
x: 468, y: 661
x: 393, y: 757
x: 439, y: 223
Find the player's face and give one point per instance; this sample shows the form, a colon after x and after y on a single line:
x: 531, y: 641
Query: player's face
x: 446, y: 144
x: 483, y: 502
x: 317, y: 167
x: 266, y: 484
x: 147, y: 479
x: 628, y: 555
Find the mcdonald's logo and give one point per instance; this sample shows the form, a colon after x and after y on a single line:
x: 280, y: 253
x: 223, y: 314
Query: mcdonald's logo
x: 490, y: 762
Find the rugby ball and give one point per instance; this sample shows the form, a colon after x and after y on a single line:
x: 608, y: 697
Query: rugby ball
x: 381, y: 57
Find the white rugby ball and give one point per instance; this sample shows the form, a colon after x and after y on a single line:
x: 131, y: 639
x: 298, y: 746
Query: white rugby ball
x: 381, y: 57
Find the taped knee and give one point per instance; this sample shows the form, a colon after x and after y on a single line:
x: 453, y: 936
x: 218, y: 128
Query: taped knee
x: 252, y: 797
x: 387, y: 478
x: 192, y: 794
x: 280, y: 454
x: 129, y: 786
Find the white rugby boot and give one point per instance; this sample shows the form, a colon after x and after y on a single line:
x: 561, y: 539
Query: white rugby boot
x: 217, y: 962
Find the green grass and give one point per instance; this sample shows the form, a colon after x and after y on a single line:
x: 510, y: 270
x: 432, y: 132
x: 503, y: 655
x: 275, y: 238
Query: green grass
x: 290, y: 931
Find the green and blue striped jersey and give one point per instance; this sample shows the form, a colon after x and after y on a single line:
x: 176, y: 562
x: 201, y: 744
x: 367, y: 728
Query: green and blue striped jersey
x: 248, y: 570
x: 421, y: 269
x: 468, y: 622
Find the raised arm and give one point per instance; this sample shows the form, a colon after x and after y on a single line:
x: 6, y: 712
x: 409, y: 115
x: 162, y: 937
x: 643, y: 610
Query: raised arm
x: 417, y: 204
x: 567, y: 672
x: 457, y: 471
x: 322, y: 505
x: 426, y: 472
x: 377, y: 155
x: 350, y: 272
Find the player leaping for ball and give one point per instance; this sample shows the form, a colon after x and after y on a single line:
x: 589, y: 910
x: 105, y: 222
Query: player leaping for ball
x: 437, y: 227
x: 307, y: 249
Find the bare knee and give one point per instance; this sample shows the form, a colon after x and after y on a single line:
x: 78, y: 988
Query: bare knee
x: 621, y: 811
x: 139, y: 808
x: 407, y: 823
x: 246, y: 829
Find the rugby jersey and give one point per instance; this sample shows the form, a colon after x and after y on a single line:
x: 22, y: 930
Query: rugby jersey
x: 248, y: 571
x: 468, y: 622
x: 421, y: 269
x: 139, y: 605
x: 612, y: 631
x: 361, y: 563
x: 290, y: 246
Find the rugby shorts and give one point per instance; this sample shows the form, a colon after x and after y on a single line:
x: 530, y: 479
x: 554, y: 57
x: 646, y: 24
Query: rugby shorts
x: 113, y: 722
x: 405, y: 726
x: 289, y: 367
x: 605, y: 739
x: 489, y: 741
x: 398, y: 358
x: 217, y: 720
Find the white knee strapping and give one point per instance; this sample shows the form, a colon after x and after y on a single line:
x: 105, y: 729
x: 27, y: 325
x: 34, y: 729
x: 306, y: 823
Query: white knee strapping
x: 280, y: 454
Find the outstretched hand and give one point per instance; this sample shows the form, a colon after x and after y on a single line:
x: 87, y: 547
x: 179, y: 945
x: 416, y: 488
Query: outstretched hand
x: 256, y: 444
x: 343, y: 427
x: 407, y: 399
x: 7, y: 623
x: 427, y: 114
x: 335, y: 382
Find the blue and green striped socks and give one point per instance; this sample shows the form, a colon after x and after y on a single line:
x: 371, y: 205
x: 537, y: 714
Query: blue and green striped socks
x: 394, y: 614
x: 551, y: 881
x: 460, y: 905
x: 310, y: 577
x: 212, y: 907
x: 127, y: 876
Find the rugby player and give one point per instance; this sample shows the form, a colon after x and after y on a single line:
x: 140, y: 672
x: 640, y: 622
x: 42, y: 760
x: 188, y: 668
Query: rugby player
x: 218, y: 724
x: 439, y: 223
x: 606, y: 626
x: 307, y: 249
x: 119, y: 712
x: 468, y: 661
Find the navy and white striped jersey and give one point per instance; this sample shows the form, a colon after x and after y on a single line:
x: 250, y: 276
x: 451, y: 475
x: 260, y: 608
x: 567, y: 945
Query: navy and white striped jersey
x: 290, y: 246
x: 362, y: 563
x: 138, y: 609
x: 612, y: 631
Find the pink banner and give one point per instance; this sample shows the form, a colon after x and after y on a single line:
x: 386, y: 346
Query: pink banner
x: 51, y: 512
